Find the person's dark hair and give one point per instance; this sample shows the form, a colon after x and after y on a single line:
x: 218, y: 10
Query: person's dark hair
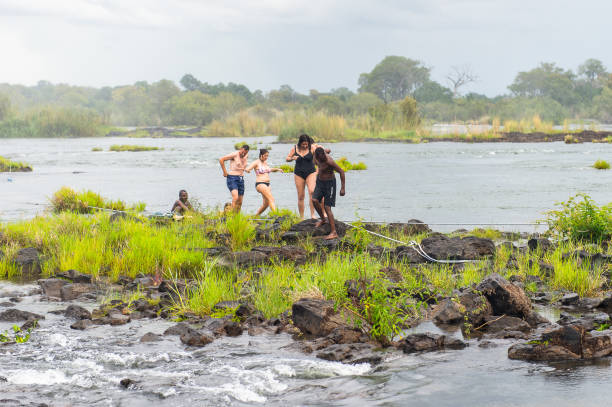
x: 305, y: 138
x: 319, y: 152
x: 262, y: 151
x: 246, y: 147
x: 181, y: 191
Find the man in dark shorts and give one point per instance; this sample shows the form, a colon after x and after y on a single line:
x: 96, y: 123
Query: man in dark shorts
x: 325, y: 190
x: 235, y: 175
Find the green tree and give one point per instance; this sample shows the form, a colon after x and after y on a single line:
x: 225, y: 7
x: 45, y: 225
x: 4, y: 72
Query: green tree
x: 191, y: 108
x: 432, y: 91
x: 547, y: 80
x: 593, y: 70
x: 602, y: 105
x: 190, y: 83
x: 410, y: 114
x: 5, y: 106
x: 330, y: 104
x: 362, y: 102
x: 394, y: 78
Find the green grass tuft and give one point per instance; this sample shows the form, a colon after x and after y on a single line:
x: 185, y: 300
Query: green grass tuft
x: 601, y: 165
x: 7, y: 165
x: 132, y: 148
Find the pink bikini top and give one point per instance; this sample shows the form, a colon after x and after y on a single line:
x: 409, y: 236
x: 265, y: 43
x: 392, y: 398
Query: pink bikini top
x: 263, y: 169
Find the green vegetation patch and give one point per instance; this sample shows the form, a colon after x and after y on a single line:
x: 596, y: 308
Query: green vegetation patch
x: 68, y: 200
x: 286, y: 168
x: 601, y: 165
x: 346, y: 165
x: 133, y: 148
x: 580, y: 219
x: 7, y: 165
x: 96, y: 149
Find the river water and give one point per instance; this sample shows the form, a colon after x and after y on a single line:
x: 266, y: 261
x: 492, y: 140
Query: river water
x: 63, y: 367
x: 433, y: 182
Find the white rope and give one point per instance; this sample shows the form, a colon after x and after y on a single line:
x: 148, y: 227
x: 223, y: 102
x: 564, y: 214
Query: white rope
x: 415, y: 246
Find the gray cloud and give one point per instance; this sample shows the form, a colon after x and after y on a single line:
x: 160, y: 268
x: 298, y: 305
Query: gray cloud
x: 307, y: 44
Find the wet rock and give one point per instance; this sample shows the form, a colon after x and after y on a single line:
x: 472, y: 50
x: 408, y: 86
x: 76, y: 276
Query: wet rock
x: 226, y: 306
x: 351, y: 353
x: 141, y: 282
x: 606, y: 304
x: 52, y: 286
x: 314, y: 316
x: 428, y: 342
x: 343, y: 335
x: 587, y: 322
x: 596, y: 260
x: 306, y: 228
x: 567, y: 342
x: 569, y: 299
x: 73, y: 291
x: 232, y: 328
x: 378, y: 251
x: 539, y: 243
x: 128, y: 383
x: 448, y: 312
x: 534, y: 319
x: 496, y: 324
x: 7, y: 304
x: 15, y: 315
x: 28, y: 260
x: 141, y: 305
x: 242, y: 259
x: 82, y: 324
x: 178, y: 329
x: 118, y: 319
x: 284, y: 253
x: 75, y: 277
x: 328, y: 244
x: 77, y: 312
x: 196, y: 339
x: 215, y: 251
x: 475, y: 306
x: 151, y: 337
x: 442, y: 247
x: 29, y: 325
x: 505, y: 297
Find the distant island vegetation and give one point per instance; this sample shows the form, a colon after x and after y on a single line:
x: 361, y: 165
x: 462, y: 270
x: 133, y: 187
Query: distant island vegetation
x: 397, y: 100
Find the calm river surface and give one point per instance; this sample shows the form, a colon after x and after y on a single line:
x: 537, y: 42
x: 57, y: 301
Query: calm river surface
x: 433, y: 182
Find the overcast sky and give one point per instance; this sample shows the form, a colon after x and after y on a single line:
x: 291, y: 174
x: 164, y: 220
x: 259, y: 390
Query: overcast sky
x: 308, y: 44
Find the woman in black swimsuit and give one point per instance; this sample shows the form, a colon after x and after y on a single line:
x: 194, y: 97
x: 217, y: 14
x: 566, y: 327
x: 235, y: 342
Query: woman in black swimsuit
x: 305, y: 172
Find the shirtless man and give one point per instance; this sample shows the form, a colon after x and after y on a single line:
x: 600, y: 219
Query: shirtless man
x: 235, y: 180
x: 182, y: 205
x: 325, y: 190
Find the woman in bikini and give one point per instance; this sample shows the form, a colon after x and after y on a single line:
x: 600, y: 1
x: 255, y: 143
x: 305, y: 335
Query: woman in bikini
x: 262, y: 180
x: 305, y: 172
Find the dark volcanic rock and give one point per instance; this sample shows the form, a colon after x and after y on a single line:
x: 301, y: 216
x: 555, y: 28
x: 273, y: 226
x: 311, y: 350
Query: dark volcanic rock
x: 315, y: 316
x: 117, y: 318
x: 52, y: 286
x: 307, y: 228
x: 82, y: 324
x: 75, y: 277
x: 495, y: 324
x: 447, y: 312
x: 284, y: 253
x: 128, y: 383
x: 505, y: 297
x: 178, y: 329
x: 77, y: 312
x: 352, y: 353
x: 441, y: 247
x: 151, y: 337
x: 570, y: 299
x: 196, y: 339
x: 232, y: 328
x: 539, y: 243
x: 73, y: 291
x: 409, y: 255
x: 567, y: 342
x: 428, y: 342
x: 15, y: 315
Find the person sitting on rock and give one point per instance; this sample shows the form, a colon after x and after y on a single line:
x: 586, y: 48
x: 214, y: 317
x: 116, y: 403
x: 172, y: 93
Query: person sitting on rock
x: 182, y: 205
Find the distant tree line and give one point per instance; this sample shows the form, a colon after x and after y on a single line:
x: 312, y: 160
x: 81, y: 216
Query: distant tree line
x: 547, y: 90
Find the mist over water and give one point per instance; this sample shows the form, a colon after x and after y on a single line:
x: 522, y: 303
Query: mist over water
x: 433, y: 182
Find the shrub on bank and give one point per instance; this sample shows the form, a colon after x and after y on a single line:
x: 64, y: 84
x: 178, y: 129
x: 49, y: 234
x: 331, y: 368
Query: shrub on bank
x: 346, y: 165
x: 580, y: 219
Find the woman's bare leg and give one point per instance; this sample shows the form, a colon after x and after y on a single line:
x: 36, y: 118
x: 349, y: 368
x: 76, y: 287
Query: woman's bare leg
x: 266, y: 192
x: 300, y: 183
x: 311, y: 182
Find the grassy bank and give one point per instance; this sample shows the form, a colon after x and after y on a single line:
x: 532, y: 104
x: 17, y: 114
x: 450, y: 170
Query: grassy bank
x: 131, y: 147
x: 110, y: 248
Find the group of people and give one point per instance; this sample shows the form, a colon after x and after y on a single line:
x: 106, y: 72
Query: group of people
x: 314, y: 170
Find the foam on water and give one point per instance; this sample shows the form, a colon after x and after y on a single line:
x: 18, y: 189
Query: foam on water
x: 40, y: 377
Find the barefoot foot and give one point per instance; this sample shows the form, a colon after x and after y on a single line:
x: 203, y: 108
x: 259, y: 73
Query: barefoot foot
x: 320, y: 223
x: 331, y: 236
